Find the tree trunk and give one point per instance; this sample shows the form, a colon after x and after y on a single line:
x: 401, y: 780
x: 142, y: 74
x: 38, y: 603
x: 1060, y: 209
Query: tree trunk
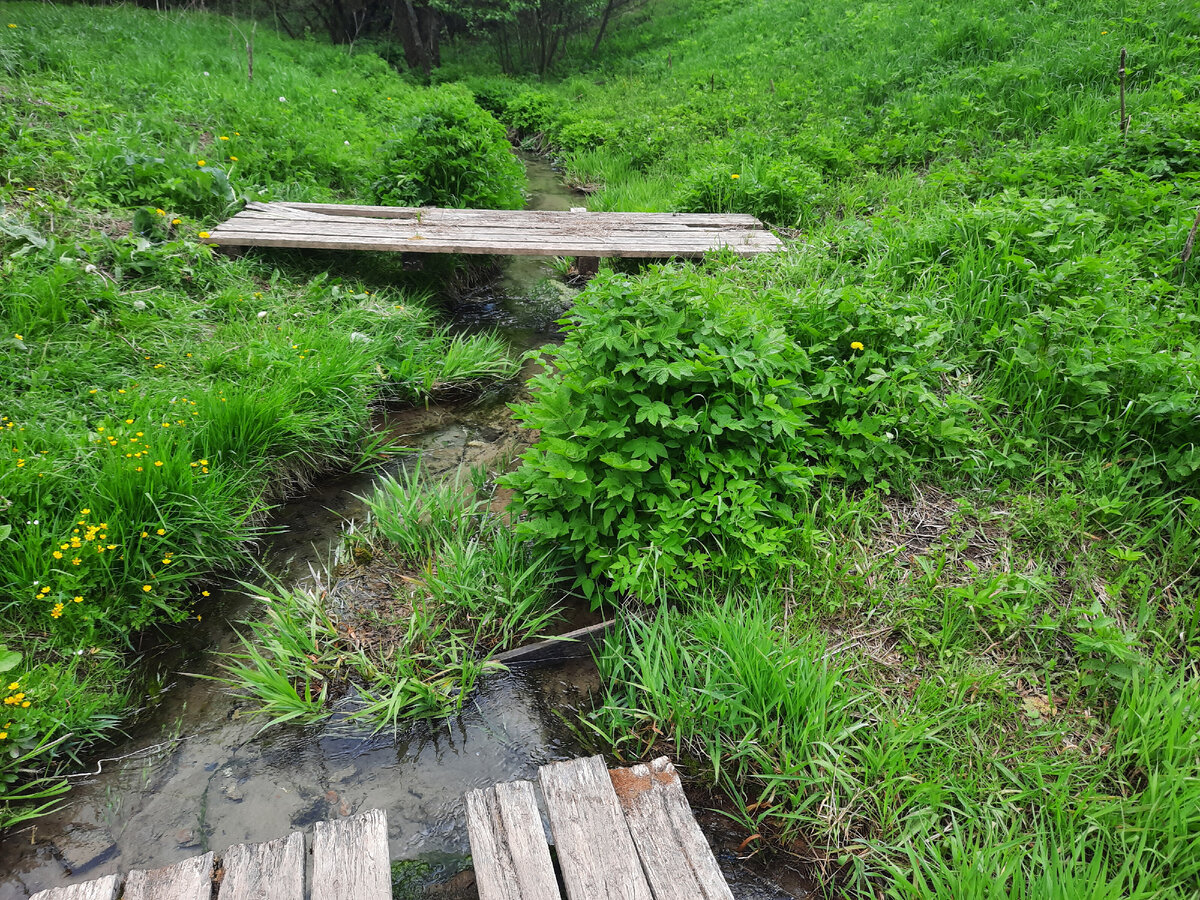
x: 415, y: 52
x: 608, y: 8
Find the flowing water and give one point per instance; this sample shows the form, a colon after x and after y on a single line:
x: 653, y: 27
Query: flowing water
x: 197, y: 773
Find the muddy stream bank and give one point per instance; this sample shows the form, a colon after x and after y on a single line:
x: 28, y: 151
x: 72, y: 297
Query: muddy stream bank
x: 197, y: 774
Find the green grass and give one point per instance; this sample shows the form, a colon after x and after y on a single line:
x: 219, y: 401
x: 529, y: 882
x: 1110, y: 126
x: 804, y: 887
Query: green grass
x: 454, y: 586
x: 158, y: 397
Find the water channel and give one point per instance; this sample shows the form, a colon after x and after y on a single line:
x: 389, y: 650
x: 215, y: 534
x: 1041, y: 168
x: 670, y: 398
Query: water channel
x: 196, y: 772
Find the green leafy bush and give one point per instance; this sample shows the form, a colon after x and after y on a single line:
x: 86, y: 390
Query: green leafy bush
x: 450, y: 153
x: 683, y: 425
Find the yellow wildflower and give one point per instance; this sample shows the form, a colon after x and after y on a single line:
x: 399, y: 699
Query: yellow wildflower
x: 147, y: 588
x: 203, y: 234
x: 177, y: 221
x: 201, y: 162
x: 856, y: 345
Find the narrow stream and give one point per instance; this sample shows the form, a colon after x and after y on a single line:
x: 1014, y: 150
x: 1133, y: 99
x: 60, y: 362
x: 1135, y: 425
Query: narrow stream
x: 197, y: 773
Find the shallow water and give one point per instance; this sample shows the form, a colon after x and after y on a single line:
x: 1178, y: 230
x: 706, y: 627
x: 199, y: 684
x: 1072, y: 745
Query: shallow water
x: 197, y: 773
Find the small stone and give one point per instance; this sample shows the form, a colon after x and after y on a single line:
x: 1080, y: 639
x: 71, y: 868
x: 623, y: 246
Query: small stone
x: 331, y: 796
x: 344, y: 809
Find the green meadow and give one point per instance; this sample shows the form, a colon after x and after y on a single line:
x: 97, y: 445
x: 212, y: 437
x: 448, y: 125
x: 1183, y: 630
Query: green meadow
x: 900, y: 525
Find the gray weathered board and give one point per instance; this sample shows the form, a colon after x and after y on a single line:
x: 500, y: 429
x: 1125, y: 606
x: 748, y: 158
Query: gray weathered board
x: 507, y: 232
x: 675, y: 855
x: 105, y: 888
x: 270, y: 871
x: 187, y: 880
x: 508, y: 845
x: 350, y: 858
x: 595, y: 850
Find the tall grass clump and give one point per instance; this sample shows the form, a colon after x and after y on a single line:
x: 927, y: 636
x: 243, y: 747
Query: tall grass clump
x: 461, y: 585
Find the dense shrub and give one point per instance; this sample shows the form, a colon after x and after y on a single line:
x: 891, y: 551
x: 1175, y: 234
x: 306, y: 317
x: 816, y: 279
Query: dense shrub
x: 450, y: 153
x: 683, y: 425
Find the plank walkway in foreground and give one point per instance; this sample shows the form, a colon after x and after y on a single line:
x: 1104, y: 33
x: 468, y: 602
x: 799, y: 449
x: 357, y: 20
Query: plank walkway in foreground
x: 624, y: 834
x: 330, y: 226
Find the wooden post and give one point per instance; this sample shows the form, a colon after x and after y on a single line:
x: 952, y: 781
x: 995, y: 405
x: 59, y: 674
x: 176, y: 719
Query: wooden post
x: 1124, y: 118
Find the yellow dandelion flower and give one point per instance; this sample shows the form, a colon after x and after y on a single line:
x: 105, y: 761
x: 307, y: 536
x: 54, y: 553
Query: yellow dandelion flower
x: 205, y: 594
x: 201, y: 162
x: 177, y: 221
x: 856, y: 345
x: 224, y: 138
x: 233, y: 159
x: 25, y: 705
x: 18, y: 337
x: 147, y: 588
x: 203, y: 234
x: 57, y: 554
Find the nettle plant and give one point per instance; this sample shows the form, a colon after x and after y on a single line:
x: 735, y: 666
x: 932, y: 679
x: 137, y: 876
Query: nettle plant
x: 680, y: 428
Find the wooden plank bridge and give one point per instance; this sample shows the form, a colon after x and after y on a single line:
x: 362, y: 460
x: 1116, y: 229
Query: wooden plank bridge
x: 505, y: 232
x: 624, y: 834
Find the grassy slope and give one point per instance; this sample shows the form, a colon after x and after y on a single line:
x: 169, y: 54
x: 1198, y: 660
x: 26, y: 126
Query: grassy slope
x: 156, y: 395
x: 971, y: 673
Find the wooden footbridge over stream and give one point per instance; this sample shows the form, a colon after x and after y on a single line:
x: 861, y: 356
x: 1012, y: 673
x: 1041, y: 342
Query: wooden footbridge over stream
x: 579, y: 233
x: 620, y: 834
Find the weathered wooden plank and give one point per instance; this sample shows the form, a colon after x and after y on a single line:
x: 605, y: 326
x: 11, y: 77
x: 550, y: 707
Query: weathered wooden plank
x: 105, y: 888
x: 523, y: 219
x: 508, y: 845
x: 270, y: 871
x: 350, y: 858
x: 466, y: 233
x: 675, y: 856
x: 595, y: 851
x: 487, y: 244
x: 434, y: 212
x: 566, y: 247
x: 187, y: 880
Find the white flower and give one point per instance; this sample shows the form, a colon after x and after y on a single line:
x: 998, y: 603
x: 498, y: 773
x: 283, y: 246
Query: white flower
x: 283, y: 99
x: 139, y: 305
x: 205, y: 74
x: 90, y: 269
x: 335, y: 90
x: 347, y: 143
x: 263, y: 314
